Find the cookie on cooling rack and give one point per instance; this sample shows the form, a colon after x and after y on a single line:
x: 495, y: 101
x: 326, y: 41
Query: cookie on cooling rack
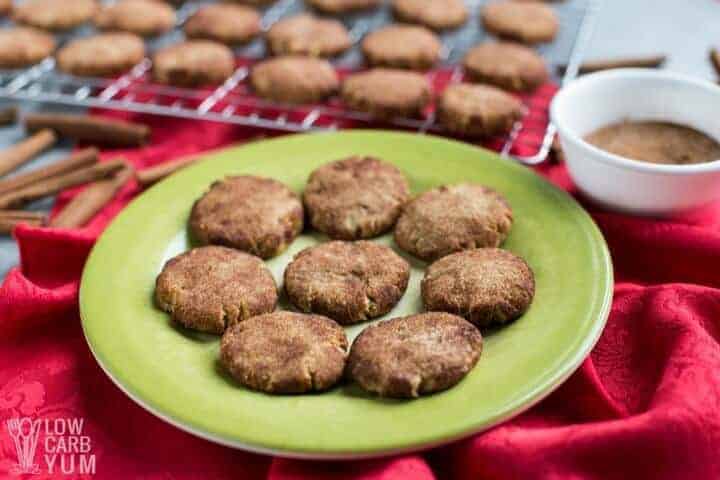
x: 349, y: 282
x: 386, y: 93
x: 212, y: 288
x: 6, y: 6
x: 102, y: 55
x: 417, y: 355
x: 508, y: 65
x: 142, y: 17
x: 294, y: 79
x: 193, y: 63
x: 257, y: 215
x: 285, y: 352
x: 527, y: 22
x: 224, y: 23
x: 24, y: 46
x: 402, y: 46
x: 452, y: 218
x: 478, y: 110
x: 53, y: 14
x: 435, y: 14
x: 342, y: 6
x: 307, y: 34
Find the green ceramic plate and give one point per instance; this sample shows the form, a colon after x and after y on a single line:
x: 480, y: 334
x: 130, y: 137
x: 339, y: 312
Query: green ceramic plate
x: 174, y: 373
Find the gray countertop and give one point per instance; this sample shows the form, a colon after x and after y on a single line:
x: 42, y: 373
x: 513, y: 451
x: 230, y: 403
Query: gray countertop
x: 684, y: 31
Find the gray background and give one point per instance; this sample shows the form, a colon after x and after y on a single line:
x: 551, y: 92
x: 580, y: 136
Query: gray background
x: 684, y: 31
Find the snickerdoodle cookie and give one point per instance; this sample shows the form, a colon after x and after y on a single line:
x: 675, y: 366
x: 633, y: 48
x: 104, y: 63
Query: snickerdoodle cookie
x: 478, y: 110
x: 307, y: 34
x: 24, y: 46
x: 257, y: 215
x: 212, y: 288
x: 508, y: 65
x: 386, y: 93
x: 435, y: 14
x: 224, y: 23
x: 402, y: 46
x: 54, y: 15
x: 527, y: 22
x: 411, y: 356
x: 193, y: 63
x: 294, y: 79
x: 142, y: 17
x: 347, y: 281
x: 102, y: 55
x: 342, y: 6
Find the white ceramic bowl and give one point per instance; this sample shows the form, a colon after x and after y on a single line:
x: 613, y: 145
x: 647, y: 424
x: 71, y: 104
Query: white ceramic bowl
x: 603, y: 98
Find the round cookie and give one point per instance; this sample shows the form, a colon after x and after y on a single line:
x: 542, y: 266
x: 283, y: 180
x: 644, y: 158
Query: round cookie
x: 452, y: 218
x: 53, y: 14
x: 212, y: 288
x: 6, y: 6
x: 23, y: 46
x: 402, y: 46
x: 142, y: 17
x: 224, y: 23
x: 306, y: 34
x: 294, y: 79
x: 486, y: 286
x: 411, y: 356
x: 478, y: 110
x: 435, y: 14
x: 357, y: 197
x: 342, y: 6
x: 102, y: 55
x: 257, y: 215
x: 285, y: 352
x: 387, y: 93
x: 527, y: 22
x: 349, y: 282
x: 508, y: 65
x: 193, y: 63
x: 255, y: 3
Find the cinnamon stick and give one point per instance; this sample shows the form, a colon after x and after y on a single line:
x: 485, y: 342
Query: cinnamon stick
x: 153, y: 174
x: 53, y: 185
x: 8, y: 116
x: 79, y: 159
x: 715, y: 59
x: 21, y: 153
x: 10, y: 218
x: 91, y: 200
x: 651, y: 61
x: 90, y: 129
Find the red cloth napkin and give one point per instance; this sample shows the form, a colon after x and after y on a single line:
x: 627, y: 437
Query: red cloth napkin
x: 645, y: 404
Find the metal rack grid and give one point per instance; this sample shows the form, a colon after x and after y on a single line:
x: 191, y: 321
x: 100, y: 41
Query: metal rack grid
x: 232, y: 102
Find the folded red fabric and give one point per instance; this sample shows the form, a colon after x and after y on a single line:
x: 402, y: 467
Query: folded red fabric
x: 645, y: 404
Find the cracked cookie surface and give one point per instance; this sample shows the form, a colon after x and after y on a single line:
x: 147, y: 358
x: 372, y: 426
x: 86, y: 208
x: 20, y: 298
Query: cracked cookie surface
x: 211, y: 288
x: 285, y: 352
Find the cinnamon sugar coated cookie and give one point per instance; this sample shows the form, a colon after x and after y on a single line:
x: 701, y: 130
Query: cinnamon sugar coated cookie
x: 24, y: 46
x: 254, y: 214
x: 508, y: 65
x: 452, y: 218
x: 101, y: 55
x: 53, y: 14
x: 193, y: 63
x: 225, y: 23
x: 417, y: 355
x: 478, y: 110
x: 142, y: 17
x: 6, y: 6
x: 294, y: 79
x: 211, y: 288
x: 486, y: 286
x: 285, y: 352
x: 349, y: 282
x: 435, y: 14
x: 387, y: 93
x: 354, y: 198
x: 342, y: 6
x: 306, y: 34
x: 402, y: 46
x: 527, y: 22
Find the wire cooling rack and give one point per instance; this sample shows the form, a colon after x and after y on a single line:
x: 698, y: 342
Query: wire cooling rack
x: 232, y: 102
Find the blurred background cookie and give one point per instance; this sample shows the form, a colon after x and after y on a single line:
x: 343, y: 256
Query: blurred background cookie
x: 402, y: 46
x: 527, y: 22
x: 478, y: 110
x: 142, y: 17
x: 102, y: 55
x: 294, y: 79
x: 435, y: 14
x: 285, y: 352
x: 306, y: 34
x: 53, y: 14
x: 387, y: 93
x: 342, y: 6
x: 212, y: 288
x: 193, y: 63
x: 225, y: 23
x: 6, y: 6
x: 411, y: 356
x: 486, y: 286
x: 349, y: 282
x: 24, y: 46
x: 508, y: 65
